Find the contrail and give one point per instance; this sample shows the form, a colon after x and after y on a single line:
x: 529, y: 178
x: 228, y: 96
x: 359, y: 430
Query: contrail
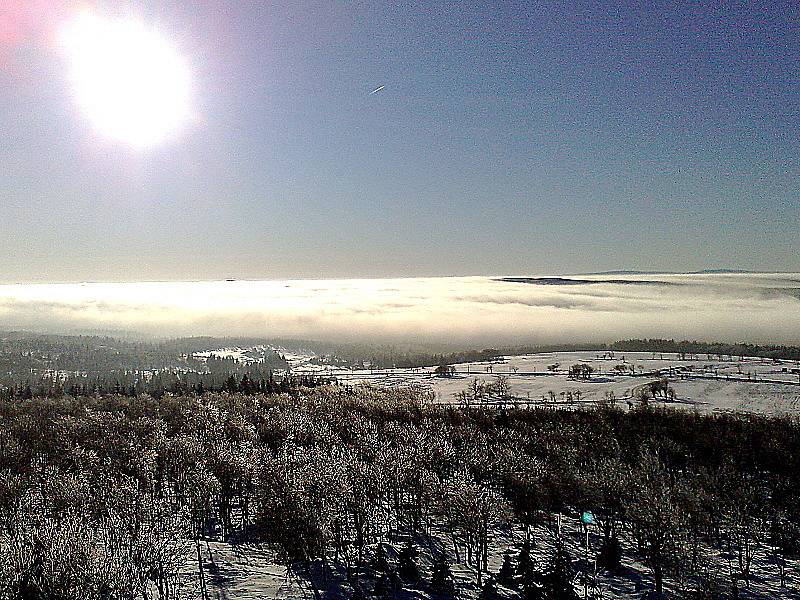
x: 378, y: 89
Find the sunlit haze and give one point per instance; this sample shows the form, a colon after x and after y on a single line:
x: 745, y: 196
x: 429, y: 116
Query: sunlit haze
x: 131, y: 84
x: 481, y: 310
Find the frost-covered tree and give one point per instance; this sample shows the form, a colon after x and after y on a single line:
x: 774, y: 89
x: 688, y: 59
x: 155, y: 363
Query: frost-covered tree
x: 656, y: 516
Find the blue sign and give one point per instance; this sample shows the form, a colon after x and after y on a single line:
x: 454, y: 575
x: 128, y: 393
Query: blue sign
x: 587, y: 518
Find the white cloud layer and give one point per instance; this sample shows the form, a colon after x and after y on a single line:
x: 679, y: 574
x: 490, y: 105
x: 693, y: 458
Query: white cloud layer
x: 726, y: 307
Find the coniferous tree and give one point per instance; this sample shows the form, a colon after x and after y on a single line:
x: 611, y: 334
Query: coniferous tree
x: 380, y: 561
x: 442, y: 584
x: 358, y: 592
x: 407, y: 567
x: 558, y: 581
x: 610, y: 554
x: 532, y: 586
x: 383, y: 587
x: 506, y: 576
x: 489, y: 589
x: 707, y: 588
x: 526, y: 567
x: 395, y: 583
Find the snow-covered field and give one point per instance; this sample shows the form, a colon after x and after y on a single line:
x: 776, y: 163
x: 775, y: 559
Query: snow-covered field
x: 700, y: 382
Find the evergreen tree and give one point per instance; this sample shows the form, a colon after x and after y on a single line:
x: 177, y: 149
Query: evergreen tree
x: 558, y: 580
x: 380, y: 561
x: 610, y: 555
x: 388, y: 581
x: 358, y: 592
x: 507, y: 576
x: 246, y: 386
x: 231, y: 385
x: 383, y: 587
x: 442, y: 579
x: 533, y: 587
x: 526, y: 567
x: 395, y: 583
x: 707, y: 588
x: 489, y: 590
x: 407, y: 567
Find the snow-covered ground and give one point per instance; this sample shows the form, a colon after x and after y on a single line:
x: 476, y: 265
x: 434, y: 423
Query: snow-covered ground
x: 253, y: 354
x: 247, y: 572
x: 251, y: 571
x: 700, y: 382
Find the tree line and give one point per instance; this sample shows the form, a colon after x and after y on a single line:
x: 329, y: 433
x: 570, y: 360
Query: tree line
x: 247, y: 380
x: 686, y: 347
x: 363, y: 356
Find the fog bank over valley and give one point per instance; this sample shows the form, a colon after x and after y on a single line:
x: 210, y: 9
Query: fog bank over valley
x: 487, y: 310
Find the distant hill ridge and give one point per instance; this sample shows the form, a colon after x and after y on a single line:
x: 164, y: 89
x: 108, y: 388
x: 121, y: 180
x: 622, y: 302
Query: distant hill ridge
x: 701, y: 272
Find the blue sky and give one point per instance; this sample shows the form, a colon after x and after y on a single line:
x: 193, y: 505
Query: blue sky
x: 511, y: 138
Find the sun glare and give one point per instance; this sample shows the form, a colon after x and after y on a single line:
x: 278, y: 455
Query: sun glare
x: 130, y: 82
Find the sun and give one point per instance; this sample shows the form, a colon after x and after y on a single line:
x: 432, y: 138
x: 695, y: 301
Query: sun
x: 127, y: 79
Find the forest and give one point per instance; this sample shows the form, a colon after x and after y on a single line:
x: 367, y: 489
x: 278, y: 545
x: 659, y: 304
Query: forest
x: 23, y: 353
x: 35, y: 365
x: 370, y: 493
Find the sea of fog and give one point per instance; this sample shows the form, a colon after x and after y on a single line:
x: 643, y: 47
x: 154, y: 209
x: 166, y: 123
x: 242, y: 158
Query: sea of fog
x: 488, y: 310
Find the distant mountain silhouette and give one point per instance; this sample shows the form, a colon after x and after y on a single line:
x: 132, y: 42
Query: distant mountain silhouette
x: 573, y: 281
x: 701, y: 272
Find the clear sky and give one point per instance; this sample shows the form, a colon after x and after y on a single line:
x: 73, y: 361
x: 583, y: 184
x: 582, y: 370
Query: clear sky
x: 510, y: 138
